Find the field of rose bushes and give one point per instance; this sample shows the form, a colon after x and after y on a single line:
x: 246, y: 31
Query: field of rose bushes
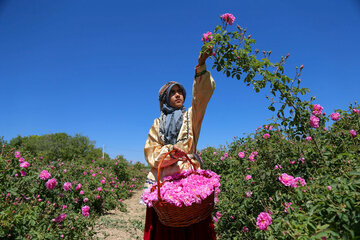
x: 277, y: 187
x: 60, y: 199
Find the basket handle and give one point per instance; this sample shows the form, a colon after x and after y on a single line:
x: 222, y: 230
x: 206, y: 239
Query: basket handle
x: 159, y: 168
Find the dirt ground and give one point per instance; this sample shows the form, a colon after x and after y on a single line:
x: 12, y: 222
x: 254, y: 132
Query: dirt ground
x: 117, y: 225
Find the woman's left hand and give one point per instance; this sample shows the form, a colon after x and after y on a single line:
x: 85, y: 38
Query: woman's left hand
x: 205, y: 55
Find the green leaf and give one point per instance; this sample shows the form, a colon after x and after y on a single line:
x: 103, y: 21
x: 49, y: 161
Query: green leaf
x: 271, y: 108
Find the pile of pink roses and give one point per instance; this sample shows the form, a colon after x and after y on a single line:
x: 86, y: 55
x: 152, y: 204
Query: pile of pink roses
x: 186, y: 188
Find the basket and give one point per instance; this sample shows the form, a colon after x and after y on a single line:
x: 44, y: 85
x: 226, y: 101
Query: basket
x: 174, y: 216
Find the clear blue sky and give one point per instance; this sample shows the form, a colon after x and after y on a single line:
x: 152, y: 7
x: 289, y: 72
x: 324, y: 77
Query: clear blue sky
x: 95, y: 67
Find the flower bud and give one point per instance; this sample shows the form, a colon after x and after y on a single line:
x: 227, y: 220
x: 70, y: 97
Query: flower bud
x: 301, y: 67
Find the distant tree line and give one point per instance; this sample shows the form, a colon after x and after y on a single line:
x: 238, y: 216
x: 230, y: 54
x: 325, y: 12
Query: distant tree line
x: 57, y: 145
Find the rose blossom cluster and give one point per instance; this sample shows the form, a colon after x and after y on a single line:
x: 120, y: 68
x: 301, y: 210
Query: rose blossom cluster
x: 85, y: 211
x: 23, y: 163
x: 228, y: 18
x: 207, y: 37
x: 316, y: 111
x: 252, y: 156
x: 60, y: 218
x: 289, y: 180
x: 185, y: 188
x: 268, y: 127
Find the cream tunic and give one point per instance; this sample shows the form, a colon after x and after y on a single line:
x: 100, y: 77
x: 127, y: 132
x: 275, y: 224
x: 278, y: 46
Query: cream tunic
x: 203, y: 88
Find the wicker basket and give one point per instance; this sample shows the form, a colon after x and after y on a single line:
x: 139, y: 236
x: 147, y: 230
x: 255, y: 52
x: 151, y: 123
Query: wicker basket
x: 173, y: 216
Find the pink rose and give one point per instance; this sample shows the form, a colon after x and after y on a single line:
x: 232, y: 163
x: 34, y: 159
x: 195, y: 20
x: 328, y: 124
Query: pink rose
x: 78, y: 187
x: 85, y: 200
x: 21, y: 160
x: 329, y: 188
x: 298, y: 180
x: 266, y: 135
x: 23, y: 173
x: 45, y: 175
x: 308, y: 138
x: 24, y: 165
x: 335, y: 116
x: 270, y: 128
x: 103, y: 181
x: 355, y: 110
x: 67, y: 186
x: 248, y: 194
x: 241, y: 154
x: 245, y: 229
x: 314, y: 121
x: 81, y: 192
x: 51, y: 184
x: 248, y: 177
x: 263, y: 220
x: 228, y: 18
x: 277, y: 166
x: 100, y: 189
x: 17, y: 154
x: 353, y: 133
x: 207, y: 37
x: 317, y: 109
x: 287, y: 180
x: 60, y: 218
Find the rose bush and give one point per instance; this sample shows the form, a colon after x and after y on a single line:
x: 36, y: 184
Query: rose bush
x: 316, y: 196
x: 305, y: 174
x: 54, y: 198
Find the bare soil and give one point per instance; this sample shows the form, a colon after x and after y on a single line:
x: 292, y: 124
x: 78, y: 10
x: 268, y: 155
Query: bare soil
x: 123, y: 225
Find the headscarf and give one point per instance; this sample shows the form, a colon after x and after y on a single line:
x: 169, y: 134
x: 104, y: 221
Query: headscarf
x: 170, y: 118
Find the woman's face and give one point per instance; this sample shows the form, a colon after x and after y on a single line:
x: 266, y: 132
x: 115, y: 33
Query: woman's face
x: 176, y: 97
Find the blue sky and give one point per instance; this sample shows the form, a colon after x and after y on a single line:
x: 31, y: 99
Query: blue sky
x: 95, y: 67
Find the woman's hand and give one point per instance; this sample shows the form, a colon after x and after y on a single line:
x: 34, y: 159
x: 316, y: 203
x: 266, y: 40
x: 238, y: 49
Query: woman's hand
x: 205, y: 55
x: 179, y: 153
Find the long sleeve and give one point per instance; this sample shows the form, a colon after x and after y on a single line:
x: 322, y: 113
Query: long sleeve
x: 203, y: 88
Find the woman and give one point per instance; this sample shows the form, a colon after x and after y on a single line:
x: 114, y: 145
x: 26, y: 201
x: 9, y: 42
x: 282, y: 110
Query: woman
x: 178, y: 129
